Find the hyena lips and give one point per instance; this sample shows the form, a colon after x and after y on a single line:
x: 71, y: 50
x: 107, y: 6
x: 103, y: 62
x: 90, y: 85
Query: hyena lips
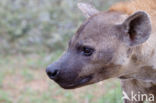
x: 100, y: 48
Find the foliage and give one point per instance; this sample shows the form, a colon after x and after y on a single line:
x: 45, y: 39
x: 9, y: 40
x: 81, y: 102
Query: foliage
x: 29, y: 26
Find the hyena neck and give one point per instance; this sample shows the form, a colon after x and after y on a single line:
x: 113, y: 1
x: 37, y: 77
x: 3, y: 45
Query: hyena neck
x: 142, y: 65
x: 145, y: 55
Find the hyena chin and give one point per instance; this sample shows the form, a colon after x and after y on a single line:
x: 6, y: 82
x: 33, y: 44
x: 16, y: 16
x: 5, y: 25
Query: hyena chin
x: 109, y: 44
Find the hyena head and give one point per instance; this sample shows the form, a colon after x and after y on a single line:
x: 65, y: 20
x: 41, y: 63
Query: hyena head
x: 100, y: 48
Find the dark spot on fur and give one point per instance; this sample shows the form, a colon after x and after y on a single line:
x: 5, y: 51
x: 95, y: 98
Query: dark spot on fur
x: 153, y: 90
x: 134, y: 58
x: 153, y: 52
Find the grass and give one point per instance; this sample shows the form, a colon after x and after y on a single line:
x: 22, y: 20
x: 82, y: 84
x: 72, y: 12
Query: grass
x: 23, y: 80
x: 4, y: 97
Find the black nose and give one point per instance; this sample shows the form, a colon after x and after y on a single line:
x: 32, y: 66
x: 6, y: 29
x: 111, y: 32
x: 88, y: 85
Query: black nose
x: 52, y: 73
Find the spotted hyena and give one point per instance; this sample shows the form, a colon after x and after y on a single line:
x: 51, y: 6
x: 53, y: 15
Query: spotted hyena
x: 119, y: 42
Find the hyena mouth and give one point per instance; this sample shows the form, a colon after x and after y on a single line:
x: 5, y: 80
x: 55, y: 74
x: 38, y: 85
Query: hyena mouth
x: 77, y: 83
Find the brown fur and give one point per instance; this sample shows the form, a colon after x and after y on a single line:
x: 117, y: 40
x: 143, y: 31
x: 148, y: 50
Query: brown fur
x: 132, y: 6
x: 135, y: 5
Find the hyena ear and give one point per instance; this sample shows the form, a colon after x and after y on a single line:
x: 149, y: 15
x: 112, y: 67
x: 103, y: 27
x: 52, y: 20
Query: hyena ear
x: 137, y: 27
x: 87, y: 9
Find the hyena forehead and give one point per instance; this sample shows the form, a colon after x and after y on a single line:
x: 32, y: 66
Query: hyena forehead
x: 99, y: 28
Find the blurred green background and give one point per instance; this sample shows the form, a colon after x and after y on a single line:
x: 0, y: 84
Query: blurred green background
x: 34, y: 33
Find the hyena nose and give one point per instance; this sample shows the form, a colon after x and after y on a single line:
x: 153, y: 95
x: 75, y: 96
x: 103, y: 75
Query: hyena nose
x: 52, y: 73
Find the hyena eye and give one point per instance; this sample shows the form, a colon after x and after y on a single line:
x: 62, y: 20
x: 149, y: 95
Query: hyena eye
x: 87, y: 51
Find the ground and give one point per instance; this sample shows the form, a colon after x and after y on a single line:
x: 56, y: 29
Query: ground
x: 23, y: 80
